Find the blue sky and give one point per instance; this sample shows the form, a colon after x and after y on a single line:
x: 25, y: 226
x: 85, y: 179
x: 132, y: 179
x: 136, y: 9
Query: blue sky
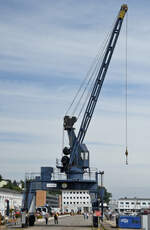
x: 47, y: 48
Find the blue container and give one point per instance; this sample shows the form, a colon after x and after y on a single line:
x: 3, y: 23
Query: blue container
x: 129, y: 222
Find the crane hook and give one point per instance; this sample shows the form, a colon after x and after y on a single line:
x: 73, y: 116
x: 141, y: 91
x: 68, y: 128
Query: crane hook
x: 126, y: 153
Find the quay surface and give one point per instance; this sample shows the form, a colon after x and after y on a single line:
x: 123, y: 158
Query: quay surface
x: 67, y: 223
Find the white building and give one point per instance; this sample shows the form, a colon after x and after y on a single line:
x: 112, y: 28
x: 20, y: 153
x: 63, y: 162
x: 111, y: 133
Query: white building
x: 133, y: 204
x: 76, y: 201
x: 14, y: 197
x: 113, y: 204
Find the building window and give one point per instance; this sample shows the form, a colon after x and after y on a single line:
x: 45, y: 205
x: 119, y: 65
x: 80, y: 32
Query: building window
x: 70, y: 202
x: 121, y: 202
x: 144, y: 203
x: 67, y: 202
x: 64, y: 202
x: 74, y: 202
x: 80, y: 197
x: 132, y: 203
x: 71, y: 197
x: 83, y: 202
x: 80, y: 192
x: 127, y: 202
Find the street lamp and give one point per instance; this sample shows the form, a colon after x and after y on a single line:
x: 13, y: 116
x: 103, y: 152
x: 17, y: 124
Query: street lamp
x: 102, y: 192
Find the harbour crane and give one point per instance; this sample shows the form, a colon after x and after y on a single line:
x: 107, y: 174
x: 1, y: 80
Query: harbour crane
x: 75, y: 160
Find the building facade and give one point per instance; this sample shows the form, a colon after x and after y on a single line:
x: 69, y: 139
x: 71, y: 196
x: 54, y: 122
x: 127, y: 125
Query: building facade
x: 133, y: 204
x: 52, y: 201
x: 14, y: 197
x: 113, y: 205
x: 76, y: 201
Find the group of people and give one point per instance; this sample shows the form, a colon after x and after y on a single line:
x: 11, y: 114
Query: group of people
x: 55, y: 218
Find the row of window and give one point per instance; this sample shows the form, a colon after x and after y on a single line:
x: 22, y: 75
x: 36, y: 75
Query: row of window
x: 75, y: 192
x: 76, y: 197
x: 135, y: 203
x: 76, y: 202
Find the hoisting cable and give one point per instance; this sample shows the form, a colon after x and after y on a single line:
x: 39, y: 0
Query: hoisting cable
x: 97, y: 67
x: 126, y: 91
x: 96, y: 59
x: 81, y: 86
x: 90, y: 89
x: 90, y: 77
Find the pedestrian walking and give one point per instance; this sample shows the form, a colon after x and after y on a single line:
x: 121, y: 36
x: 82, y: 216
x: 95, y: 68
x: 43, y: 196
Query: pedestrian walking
x: 84, y: 215
x: 46, y: 218
x: 87, y: 215
x: 56, y: 218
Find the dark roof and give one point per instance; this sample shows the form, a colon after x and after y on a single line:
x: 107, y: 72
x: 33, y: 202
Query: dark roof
x: 134, y: 198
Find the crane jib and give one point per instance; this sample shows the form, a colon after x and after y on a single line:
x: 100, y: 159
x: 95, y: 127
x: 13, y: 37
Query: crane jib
x: 98, y: 83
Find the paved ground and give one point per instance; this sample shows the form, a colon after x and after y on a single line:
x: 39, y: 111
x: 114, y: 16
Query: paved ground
x: 65, y: 223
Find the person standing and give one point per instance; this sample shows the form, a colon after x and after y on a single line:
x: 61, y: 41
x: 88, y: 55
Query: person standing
x: 56, y: 218
x: 87, y: 215
x: 46, y: 218
x: 84, y: 214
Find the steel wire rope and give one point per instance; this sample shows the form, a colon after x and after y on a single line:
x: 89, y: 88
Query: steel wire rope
x: 87, y: 75
x: 94, y: 74
x: 90, y: 89
x: 126, y: 89
x: 82, y: 84
x: 97, y: 57
x: 78, y: 91
x: 80, y: 96
x: 97, y: 70
x: 90, y: 79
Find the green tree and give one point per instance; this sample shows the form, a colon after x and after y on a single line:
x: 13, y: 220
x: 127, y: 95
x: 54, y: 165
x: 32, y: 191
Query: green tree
x: 107, y: 195
x: 15, y: 183
x: 1, y: 178
x: 12, y: 186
